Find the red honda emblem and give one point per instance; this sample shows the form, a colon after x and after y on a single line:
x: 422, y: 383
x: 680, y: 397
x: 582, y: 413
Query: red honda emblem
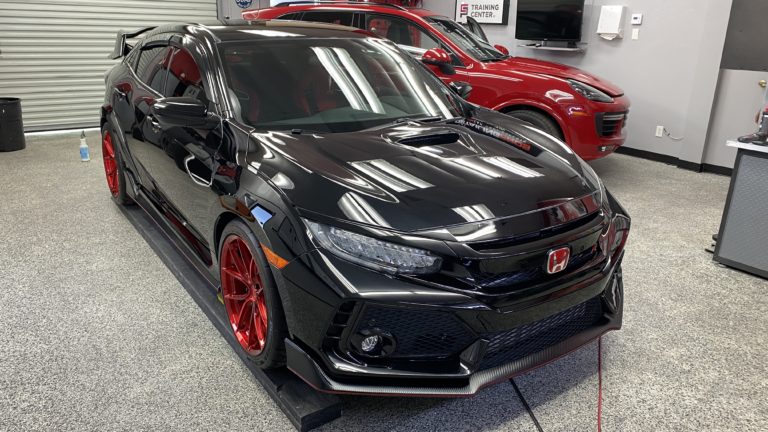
x: 557, y: 260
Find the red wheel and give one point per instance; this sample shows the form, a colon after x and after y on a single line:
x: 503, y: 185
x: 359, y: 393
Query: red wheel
x: 113, y: 166
x: 243, y: 291
x: 110, y: 164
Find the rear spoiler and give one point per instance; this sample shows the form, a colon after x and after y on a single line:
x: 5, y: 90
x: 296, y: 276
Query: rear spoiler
x: 121, y: 47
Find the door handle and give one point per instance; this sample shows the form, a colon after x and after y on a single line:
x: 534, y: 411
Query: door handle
x: 762, y: 83
x: 196, y: 178
x: 154, y: 123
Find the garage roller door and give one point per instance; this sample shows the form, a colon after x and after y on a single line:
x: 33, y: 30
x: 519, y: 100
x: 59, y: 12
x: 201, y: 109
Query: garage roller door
x: 53, y: 55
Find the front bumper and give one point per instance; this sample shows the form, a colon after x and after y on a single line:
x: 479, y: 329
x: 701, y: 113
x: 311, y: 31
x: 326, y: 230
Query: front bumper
x: 502, y: 345
x: 602, y: 131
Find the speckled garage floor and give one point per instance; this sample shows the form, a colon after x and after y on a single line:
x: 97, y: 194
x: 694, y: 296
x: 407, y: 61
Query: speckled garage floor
x: 96, y: 334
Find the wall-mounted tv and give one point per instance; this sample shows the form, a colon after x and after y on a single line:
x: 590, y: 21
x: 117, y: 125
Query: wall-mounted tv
x: 549, y: 20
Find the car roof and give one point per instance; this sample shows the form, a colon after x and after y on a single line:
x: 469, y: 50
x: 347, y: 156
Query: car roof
x: 370, y: 7
x: 261, y: 29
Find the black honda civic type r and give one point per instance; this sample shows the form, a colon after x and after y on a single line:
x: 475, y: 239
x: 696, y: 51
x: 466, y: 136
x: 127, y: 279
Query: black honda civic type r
x: 367, y: 227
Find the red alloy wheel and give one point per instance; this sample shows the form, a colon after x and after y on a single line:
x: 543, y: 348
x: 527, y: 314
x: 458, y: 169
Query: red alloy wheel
x: 110, y: 164
x: 243, y: 292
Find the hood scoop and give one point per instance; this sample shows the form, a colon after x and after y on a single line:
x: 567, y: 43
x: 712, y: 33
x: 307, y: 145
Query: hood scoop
x: 424, y: 137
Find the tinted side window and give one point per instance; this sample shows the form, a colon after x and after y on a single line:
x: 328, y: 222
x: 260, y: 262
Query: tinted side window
x: 400, y: 32
x: 342, y: 18
x: 152, y: 67
x: 184, y: 77
x: 291, y: 16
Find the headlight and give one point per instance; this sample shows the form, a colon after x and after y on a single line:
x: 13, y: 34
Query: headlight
x: 372, y: 253
x: 589, y: 92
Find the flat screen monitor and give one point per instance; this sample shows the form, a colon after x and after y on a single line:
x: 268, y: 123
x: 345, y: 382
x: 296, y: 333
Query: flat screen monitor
x: 549, y: 20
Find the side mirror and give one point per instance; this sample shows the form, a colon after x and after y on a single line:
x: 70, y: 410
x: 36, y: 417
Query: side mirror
x: 183, y: 111
x: 502, y: 49
x: 461, y: 88
x: 440, y: 58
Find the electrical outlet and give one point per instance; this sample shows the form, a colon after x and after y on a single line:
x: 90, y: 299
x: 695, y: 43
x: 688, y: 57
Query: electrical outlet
x: 659, y: 131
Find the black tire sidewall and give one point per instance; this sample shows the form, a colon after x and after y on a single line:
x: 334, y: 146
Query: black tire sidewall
x: 122, y: 197
x: 273, y: 354
x: 538, y: 120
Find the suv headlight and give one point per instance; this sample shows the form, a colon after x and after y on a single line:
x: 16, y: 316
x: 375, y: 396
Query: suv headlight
x: 589, y: 92
x: 372, y: 253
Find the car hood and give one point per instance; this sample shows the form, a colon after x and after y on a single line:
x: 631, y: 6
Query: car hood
x: 533, y: 66
x: 414, y: 177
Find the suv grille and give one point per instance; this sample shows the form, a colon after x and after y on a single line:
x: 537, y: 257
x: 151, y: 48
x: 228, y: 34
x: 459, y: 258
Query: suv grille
x: 610, y: 124
x: 507, y: 346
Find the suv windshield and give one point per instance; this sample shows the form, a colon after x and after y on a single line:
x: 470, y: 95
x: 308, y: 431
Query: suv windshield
x: 471, y: 44
x: 331, y: 85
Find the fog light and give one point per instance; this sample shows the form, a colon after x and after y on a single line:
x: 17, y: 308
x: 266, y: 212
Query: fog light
x: 370, y: 343
x: 373, y: 342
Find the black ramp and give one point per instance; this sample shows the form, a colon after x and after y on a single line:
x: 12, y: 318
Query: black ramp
x: 305, y: 407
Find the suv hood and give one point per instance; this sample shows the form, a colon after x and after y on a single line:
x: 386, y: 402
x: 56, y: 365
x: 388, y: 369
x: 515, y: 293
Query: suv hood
x: 417, y: 177
x: 533, y: 66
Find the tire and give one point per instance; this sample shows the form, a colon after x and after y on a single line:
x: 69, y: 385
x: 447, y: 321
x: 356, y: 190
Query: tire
x: 251, y: 296
x: 114, y: 168
x: 538, y: 120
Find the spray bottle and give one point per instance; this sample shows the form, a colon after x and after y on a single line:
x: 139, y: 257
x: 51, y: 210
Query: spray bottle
x: 85, y: 154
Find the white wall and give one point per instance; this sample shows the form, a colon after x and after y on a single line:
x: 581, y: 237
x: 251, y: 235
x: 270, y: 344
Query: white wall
x: 670, y: 73
x: 739, y: 98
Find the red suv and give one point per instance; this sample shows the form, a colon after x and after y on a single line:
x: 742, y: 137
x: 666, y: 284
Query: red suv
x: 586, y: 112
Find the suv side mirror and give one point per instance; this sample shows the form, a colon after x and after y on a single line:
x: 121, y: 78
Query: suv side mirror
x: 462, y: 88
x: 185, y: 112
x: 502, y: 49
x: 440, y: 58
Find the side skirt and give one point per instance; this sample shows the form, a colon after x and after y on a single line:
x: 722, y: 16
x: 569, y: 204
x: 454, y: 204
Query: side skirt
x: 305, y: 407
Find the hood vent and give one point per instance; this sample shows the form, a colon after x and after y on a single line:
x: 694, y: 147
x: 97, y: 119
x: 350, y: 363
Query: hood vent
x: 425, y: 139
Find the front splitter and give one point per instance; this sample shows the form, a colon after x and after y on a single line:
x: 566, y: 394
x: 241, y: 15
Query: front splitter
x: 305, y: 367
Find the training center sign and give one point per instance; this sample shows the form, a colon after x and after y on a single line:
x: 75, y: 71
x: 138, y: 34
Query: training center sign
x: 484, y: 11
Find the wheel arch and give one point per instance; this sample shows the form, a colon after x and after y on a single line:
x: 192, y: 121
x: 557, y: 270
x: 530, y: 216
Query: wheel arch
x: 240, y: 213
x: 228, y: 216
x: 218, y: 228
x: 105, y: 110
x: 541, y: 110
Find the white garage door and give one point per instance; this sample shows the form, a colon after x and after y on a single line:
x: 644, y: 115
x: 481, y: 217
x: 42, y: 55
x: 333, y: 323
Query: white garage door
x: 53, y: 54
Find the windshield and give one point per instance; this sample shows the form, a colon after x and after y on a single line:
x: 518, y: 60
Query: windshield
x: 471, y: 44
x: 332, y: 85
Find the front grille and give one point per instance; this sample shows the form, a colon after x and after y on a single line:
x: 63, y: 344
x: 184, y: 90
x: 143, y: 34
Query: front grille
x: 419, y: 333
x: 491, y: 245
x: 534, y: 273
x: 507, y: 346
x: 610, y: 124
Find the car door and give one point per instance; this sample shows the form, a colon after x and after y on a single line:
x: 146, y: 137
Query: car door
x: 143, y: 134
x: 413, y: 39
x: 190, y: 172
